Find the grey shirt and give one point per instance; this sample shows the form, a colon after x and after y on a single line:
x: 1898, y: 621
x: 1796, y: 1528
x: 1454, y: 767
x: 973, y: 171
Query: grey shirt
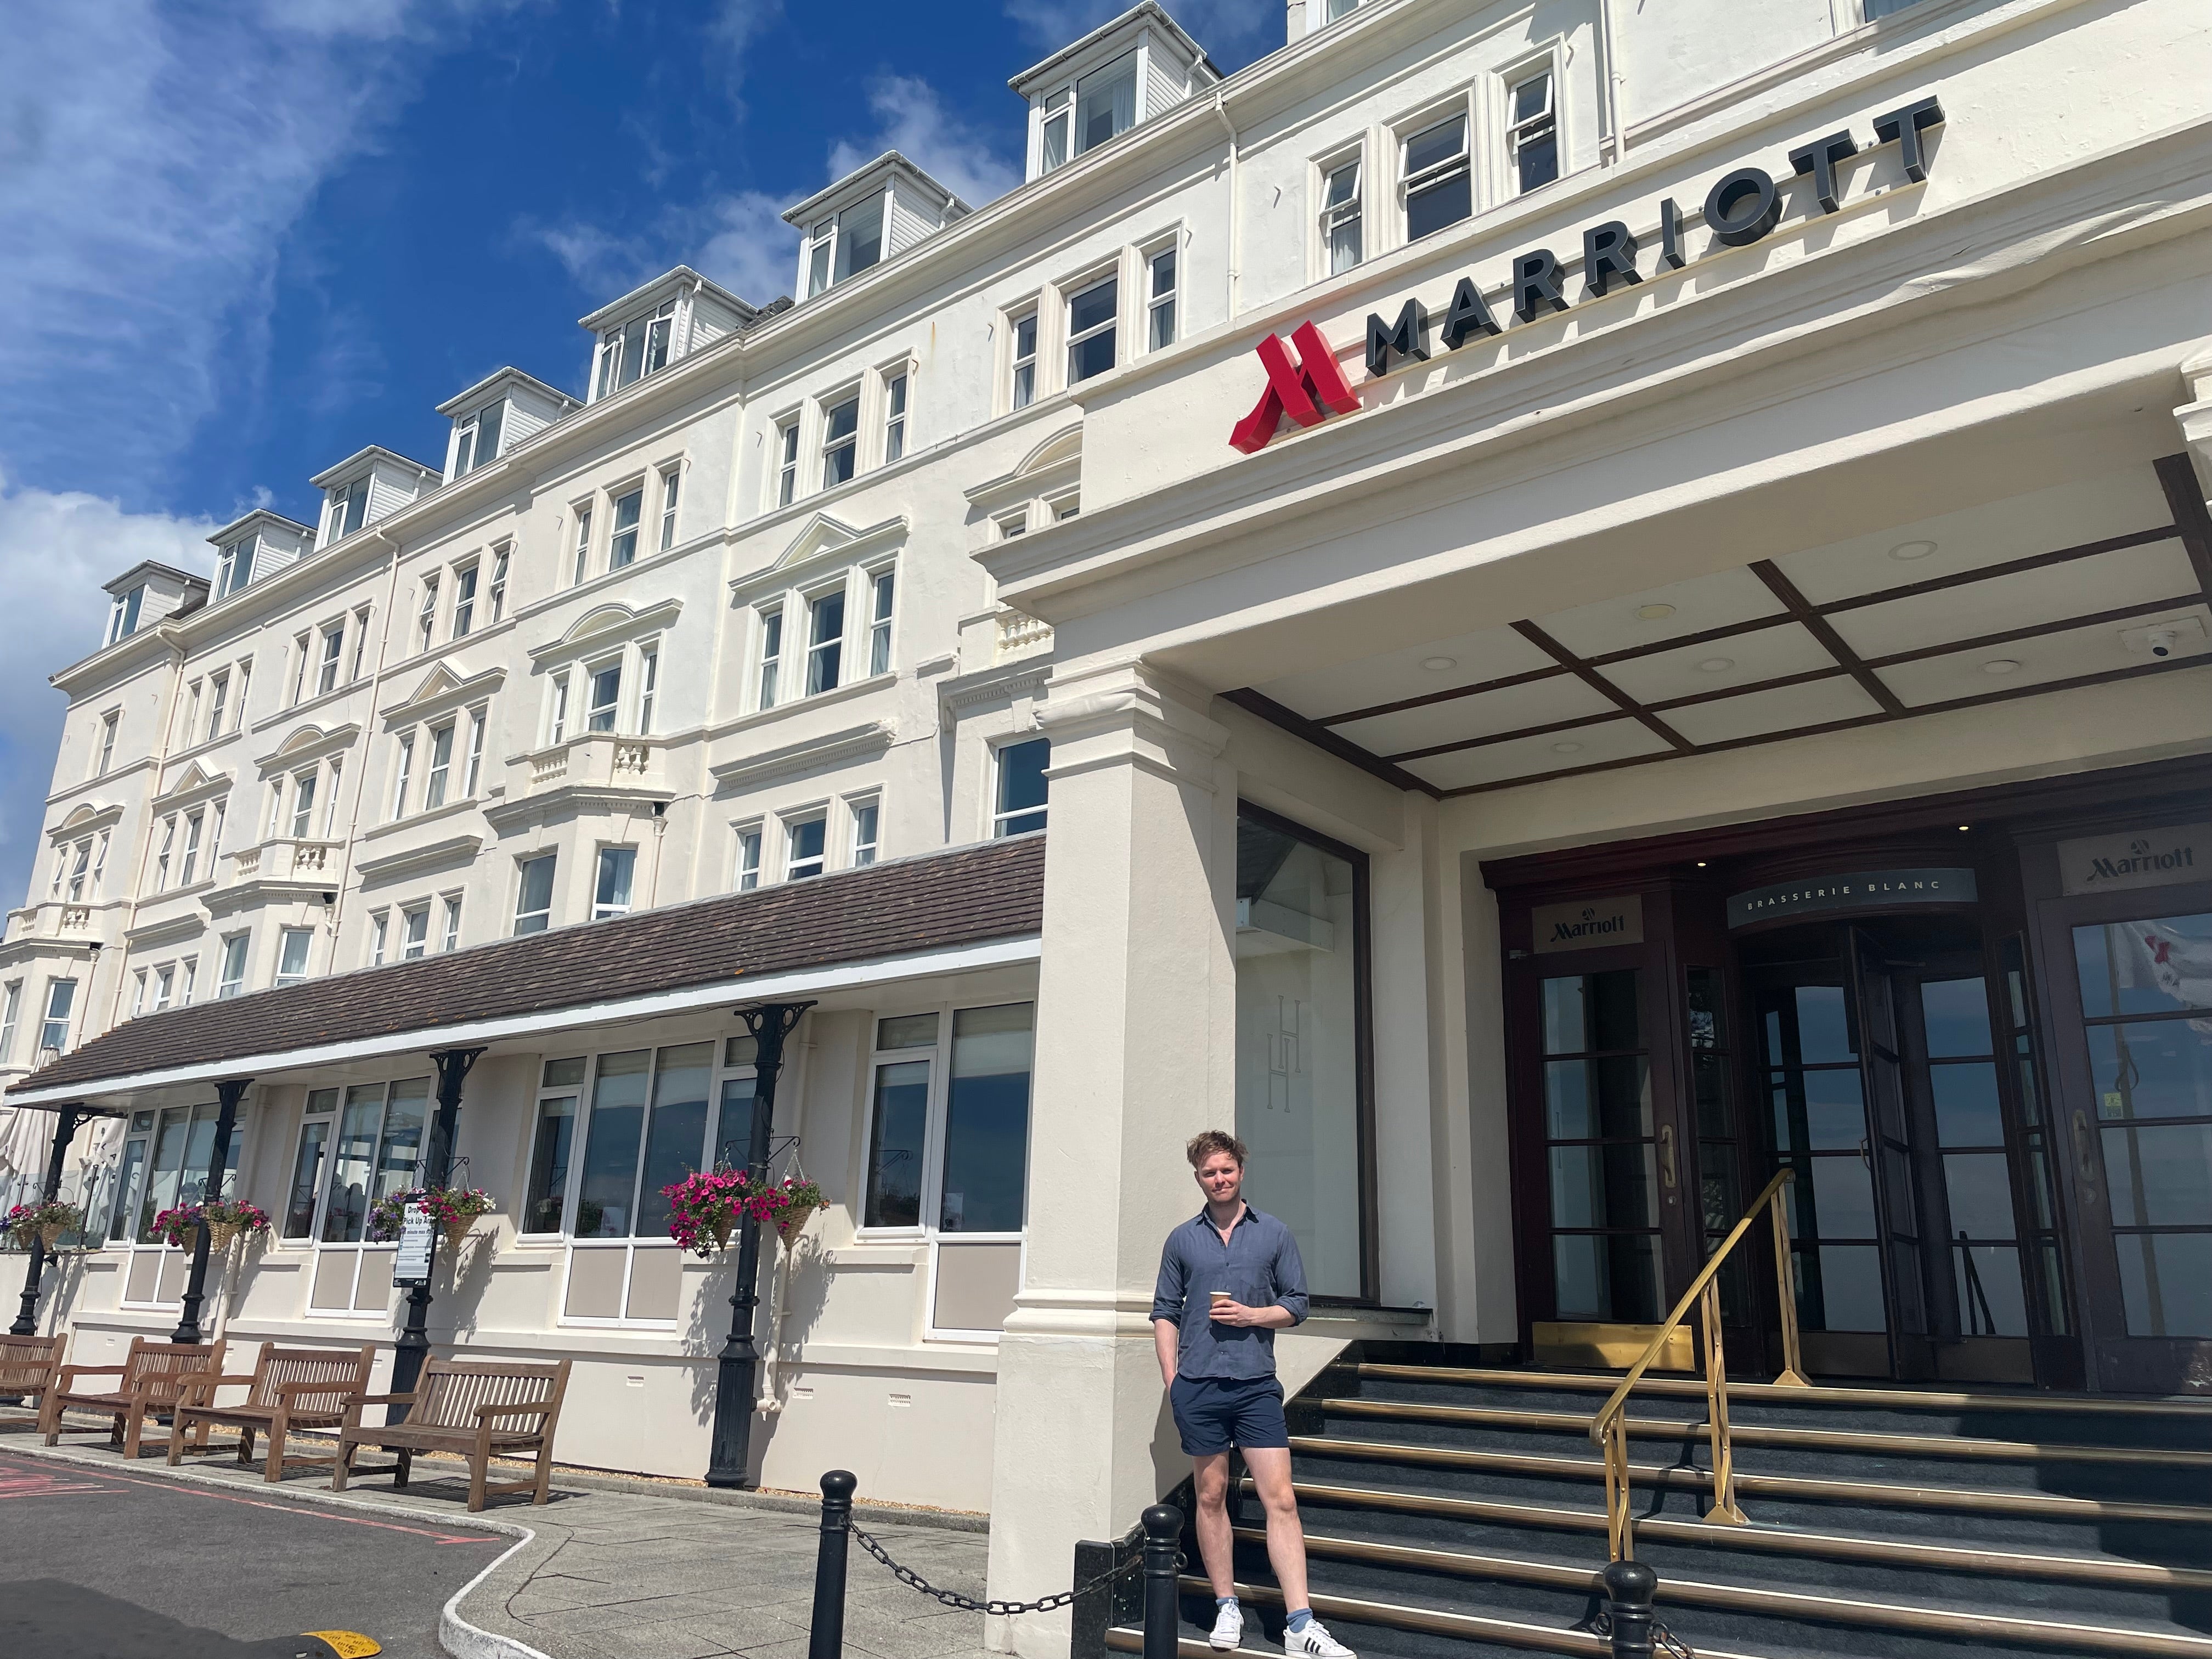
x: 1259, y: 1267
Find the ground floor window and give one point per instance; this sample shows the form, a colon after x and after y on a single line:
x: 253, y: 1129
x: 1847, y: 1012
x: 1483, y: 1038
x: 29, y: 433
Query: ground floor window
x: 164, y: 1165
x: 1303, y: 1044
x: 948, y: 1120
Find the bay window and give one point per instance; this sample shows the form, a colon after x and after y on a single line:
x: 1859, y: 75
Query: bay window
x: 164, y: 1164
x: 303, y: 807
x: 771, y: 653
x: 479, y: 717
x: 1106, y: 103
x: 195, y: 825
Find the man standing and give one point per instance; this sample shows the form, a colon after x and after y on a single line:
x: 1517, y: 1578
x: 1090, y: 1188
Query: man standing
x: 1229, y: 1278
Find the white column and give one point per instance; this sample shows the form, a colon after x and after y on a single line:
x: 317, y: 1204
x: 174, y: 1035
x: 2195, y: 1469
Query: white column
x: 1135, y: 1054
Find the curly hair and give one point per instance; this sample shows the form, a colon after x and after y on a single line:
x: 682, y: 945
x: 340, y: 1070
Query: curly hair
x: 1205, y: 1145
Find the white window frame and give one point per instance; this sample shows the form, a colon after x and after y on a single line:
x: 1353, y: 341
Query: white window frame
x: 1535, y: 128
x: 302, y: 649
x: 1073, y: 338
x: 879, y: 585
x: 379, y: 936
x: 414, y: 931
x: 792, y: 822
x: 581, y: 513
x: 671, y: 487
x: 783, y: 478
x: 826, y: 650
x: 1023, y: 359
x: 1459, y: 108
x: 726, y: 1068
x: 467, y: 451
x: 236, y: 950
x: 449, y: 929
x: 426, y: 615
x: 495, y: 593
x: 472, y: 778
x: 165, y: 986
x: 556, y: 709
x: 465, y: 579
x: 929, y: 1228
x: 438, y: 776
x: 332, y: 636
x: 522, y: 867
x: 360, y: 651
x: 12, y: 1008
x: 864, y: 829
x: 600, y: 716
x: 834, y: 443
x: 1161, y: 302
x: 304, y: 789
x: 750, y: 838
x: 188, y: 864
x: 624, y: 535
x: 648, y: 685
x: 1000, y: 819
x: 284, y: 937
x: 401, y: 772
x: 161, y: 858
x: 119, y: 1227
x: 1334, y: 215
x: 334, y: 1115
x: 607, y: 909
x: 768, y: 689
x: 218, y: 704
x: 897, y: 400
x: 109, y: 724
x: 655, y: 332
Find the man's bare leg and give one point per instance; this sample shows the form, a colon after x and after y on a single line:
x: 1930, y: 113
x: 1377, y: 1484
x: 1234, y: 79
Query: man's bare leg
x: 1215, y: 1544
x: 1270, y: 1468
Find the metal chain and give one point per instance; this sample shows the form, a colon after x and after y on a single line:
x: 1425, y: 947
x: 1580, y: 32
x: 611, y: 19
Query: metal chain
x: 954, y: 1599
x: 1662, y: 1639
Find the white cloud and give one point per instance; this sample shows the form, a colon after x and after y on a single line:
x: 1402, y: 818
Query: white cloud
x: 738, y: 238
x: 56, y: 548
x: 911, y: 118
x: 152, y: 159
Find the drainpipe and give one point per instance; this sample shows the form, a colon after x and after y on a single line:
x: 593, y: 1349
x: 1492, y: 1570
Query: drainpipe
x: 1236, y: 215
x: 1609, y: 144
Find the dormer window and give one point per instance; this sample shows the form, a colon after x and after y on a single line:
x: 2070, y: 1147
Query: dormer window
x: 475, y: 442
x: 634, y: 351
x: 349, y: 509
x: 844, y: 245
x: 1101, y: 106
x: 235, y: 568
x: 123, y: 615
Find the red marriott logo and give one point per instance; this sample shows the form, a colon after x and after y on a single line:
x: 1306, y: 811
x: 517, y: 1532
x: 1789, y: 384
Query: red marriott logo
x: 1299, y: 390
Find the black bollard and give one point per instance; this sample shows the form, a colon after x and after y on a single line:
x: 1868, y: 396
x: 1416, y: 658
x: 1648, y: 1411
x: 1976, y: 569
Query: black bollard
x: 1162, y: 1611
x: 825, y: 1637
x: 1629, y: 1587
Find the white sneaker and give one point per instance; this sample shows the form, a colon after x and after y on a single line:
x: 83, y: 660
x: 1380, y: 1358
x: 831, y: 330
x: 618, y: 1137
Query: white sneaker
x: 1314, y: 1642
x: 1228, y: 1628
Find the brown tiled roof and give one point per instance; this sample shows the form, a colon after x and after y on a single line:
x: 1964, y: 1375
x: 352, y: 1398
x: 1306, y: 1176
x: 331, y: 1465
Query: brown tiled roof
x: 965, y: 897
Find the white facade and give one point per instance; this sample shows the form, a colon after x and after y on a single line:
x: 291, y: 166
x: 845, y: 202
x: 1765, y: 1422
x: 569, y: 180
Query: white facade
x: 1020, y: 422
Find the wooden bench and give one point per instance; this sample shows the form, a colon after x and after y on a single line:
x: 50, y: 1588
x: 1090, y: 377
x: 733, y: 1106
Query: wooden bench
x: 289, y: 1388
x: 30, y: 1366
x: 152, y: 1375
x: 478, y: 1412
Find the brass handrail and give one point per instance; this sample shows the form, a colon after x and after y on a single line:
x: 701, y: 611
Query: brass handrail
x: 1609, y: 1428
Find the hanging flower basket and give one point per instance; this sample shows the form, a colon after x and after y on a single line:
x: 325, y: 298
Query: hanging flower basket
x: 177, y: 1225
x: 228, y: 1219
x: 45, y: 1221
x: 454, y: 1210
x: 704, y: 1209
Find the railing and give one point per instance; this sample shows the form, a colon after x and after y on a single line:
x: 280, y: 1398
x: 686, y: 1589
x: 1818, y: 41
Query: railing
x: 1609, y: 1428
x: 1019, y: 634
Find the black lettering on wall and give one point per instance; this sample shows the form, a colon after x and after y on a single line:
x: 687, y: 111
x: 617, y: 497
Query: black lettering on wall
x: 1469, y: 314
x: 1902, y: 127
x: 1670, y: 235
x: 1743, y: 207
x: 1609, y: 251
x: 1819, y: 158
x: 1409, y: 338
x: 1536, y: 285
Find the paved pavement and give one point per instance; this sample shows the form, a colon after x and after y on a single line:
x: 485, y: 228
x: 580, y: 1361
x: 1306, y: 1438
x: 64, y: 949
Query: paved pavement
x: 110, y: 1563
x: 606, y: 1571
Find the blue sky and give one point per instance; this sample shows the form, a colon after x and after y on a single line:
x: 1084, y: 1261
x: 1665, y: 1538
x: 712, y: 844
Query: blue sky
x: 246, y: 237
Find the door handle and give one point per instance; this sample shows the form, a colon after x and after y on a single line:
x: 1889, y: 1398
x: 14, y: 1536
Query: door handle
x: 1668, y: 1176
x: 2083, y: 1150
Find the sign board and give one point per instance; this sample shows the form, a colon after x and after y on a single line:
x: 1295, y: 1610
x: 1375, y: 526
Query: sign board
x: 412, y: 1266
x: 1585, y: 924
x: 1862, y: 890
x: 2146, y: 857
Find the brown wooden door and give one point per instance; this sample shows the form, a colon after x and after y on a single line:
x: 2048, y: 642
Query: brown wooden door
x: 2129, y: 988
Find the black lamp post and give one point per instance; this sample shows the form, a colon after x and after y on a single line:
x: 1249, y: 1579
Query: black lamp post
x: 65, y: 1127
x: 228, y: 1093
x: 730, y: 1462
x: 414, y: 1345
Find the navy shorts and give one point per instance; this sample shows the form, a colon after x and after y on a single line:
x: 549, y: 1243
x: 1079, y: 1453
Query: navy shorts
x: 1213, y: 1413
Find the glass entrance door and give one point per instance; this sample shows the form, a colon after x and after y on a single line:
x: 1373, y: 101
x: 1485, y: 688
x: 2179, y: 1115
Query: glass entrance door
x: 2135, y: 1041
